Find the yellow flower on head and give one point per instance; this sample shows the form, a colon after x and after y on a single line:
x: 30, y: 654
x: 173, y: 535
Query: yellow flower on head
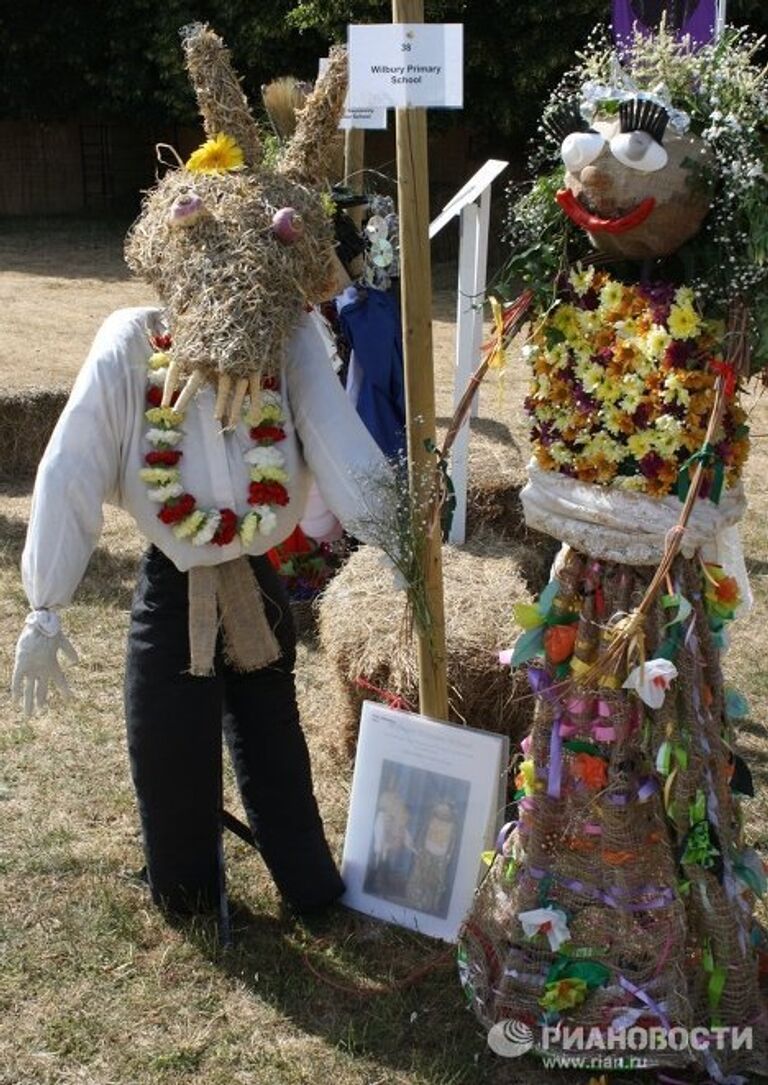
x: 216, y: 156
x: 684, y: 322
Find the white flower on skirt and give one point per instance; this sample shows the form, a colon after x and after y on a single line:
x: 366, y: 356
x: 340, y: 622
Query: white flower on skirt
x: 549, y: 921
x: 651, y: 681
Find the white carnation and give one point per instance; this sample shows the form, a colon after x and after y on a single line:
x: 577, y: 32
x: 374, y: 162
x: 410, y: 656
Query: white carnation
x: 208, y: 529
x: 267, y: 519
x: 163, y: 493
x: 164, y: 436
x: 264, y: 457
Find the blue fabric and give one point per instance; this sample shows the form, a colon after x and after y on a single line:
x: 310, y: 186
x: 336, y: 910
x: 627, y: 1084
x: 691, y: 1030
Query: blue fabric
x: 372, y: 327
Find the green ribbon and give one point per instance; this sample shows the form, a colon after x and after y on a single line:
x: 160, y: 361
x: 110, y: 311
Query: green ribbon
x: 707, y: 457
x: 715, y: 985
x: 449, y: 504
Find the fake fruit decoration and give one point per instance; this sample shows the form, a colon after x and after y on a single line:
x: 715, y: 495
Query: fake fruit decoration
x: 287, y: 226
x: 186, y: 210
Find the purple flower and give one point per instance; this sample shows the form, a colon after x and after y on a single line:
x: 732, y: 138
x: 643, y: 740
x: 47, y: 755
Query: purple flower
x: 678, y: 352
x: 651, y: 464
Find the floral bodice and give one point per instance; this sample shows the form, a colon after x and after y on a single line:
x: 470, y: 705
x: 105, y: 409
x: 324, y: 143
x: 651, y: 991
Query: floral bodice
x: 624, y: 383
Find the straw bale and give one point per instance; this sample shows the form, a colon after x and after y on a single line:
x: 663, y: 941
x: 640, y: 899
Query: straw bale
x: 363, y: 631
x: 27, y: 420
x: 496, y: 477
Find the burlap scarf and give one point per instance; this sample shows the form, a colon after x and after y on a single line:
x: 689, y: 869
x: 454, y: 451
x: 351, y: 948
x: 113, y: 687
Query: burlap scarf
x: 228, y: 596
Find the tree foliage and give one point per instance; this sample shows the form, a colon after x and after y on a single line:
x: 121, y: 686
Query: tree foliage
x: 95, y: 58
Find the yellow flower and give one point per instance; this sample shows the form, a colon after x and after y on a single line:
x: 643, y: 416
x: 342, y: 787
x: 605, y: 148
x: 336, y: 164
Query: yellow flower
x: 612, y: 295
x: 164, y: 416
x: 564, y: 994
x: 158, y: 360
x: 684, y: 296
x: 216, y: 155
x: 656, y: 342
x: 684, y: 322
x: 592, y: 377
x: 640, y: 444
x: 190, y: 525
x: 525, y: 779
x: 581, y: 279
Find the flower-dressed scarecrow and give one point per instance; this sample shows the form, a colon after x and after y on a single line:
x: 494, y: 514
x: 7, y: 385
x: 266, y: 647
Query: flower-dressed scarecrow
x: 206, y: 419
x: 622, y: 896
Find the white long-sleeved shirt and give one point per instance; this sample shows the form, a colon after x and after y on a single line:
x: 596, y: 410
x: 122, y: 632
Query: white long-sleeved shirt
x: 98, y: 446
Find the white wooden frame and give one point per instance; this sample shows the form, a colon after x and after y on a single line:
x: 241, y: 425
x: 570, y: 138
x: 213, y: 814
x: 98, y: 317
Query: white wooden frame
x: 473, y: 204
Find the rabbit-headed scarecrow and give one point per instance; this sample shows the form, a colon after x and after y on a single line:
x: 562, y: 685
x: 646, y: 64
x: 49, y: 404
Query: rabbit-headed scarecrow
x: 205, y: 419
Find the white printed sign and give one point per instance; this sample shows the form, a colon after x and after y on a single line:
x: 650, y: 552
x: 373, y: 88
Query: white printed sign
x: 406, y: 65
x: 364, y: 117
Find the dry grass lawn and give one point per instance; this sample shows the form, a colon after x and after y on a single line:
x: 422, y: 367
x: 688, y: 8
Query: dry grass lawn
x: 95, y: 988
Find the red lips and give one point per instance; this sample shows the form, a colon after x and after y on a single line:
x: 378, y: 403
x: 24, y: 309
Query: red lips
x: 593, y: 224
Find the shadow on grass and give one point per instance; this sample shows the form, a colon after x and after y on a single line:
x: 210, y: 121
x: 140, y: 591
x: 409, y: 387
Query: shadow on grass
x: 67, y: 247
x: 487, y: 427
x: 108, y: 580
x: 340, y: 975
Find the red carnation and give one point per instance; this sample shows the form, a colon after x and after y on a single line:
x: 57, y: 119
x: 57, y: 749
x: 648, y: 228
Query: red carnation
x: 227, y: 528
x: 162, y: 342
x: 163, y: 457
x: 155, y: 396
x: 267, y: 493
x: 269, y: 383
x: 267, y: 434
x: 178, y: 508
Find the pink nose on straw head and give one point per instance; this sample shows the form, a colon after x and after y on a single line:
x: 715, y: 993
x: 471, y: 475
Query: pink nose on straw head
x: 287, y: 225
x: 186, y: 209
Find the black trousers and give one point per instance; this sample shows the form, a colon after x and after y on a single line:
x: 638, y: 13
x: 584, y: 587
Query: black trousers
x: 174, y: 723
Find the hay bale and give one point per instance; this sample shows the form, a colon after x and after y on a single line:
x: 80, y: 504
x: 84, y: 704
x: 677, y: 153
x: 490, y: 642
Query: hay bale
x: 26, y: 422
x: 362, y: 627
x: 496, y: 476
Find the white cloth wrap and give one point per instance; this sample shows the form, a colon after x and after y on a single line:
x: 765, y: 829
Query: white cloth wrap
x: 632, y: 528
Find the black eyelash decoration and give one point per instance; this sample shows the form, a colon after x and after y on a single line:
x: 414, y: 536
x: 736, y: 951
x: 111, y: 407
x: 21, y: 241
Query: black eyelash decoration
x: 563, y: 120
x: 641, y: 115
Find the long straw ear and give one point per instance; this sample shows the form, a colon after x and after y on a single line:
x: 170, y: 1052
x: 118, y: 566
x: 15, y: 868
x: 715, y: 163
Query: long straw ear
x: 223, y: 105
x: 311, y: 151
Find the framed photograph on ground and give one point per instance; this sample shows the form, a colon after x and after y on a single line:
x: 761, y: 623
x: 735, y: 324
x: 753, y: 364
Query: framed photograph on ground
x: 427, y: 799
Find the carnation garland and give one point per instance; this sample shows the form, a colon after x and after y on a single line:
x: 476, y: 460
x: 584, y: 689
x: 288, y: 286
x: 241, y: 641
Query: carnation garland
x: 179, y: 509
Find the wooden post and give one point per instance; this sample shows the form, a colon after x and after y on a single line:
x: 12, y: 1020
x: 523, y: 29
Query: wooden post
x: 416, y: 301
x: 354, y: 160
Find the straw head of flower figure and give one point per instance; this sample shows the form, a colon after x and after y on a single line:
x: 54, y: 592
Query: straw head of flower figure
x: 631, y: 177
x: 235, y: 248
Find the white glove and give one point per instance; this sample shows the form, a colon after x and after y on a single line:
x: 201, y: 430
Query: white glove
x: 36, y: 664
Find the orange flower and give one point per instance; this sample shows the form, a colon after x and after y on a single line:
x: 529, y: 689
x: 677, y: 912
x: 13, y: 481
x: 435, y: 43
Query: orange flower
x: 559, y: 641
x: 593, y: 771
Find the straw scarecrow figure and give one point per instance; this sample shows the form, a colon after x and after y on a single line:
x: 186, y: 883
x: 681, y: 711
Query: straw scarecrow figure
x: 205, y: 420
x: 622, y: 897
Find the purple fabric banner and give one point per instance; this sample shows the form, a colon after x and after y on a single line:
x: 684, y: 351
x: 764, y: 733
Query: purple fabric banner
x: 698, y: 18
